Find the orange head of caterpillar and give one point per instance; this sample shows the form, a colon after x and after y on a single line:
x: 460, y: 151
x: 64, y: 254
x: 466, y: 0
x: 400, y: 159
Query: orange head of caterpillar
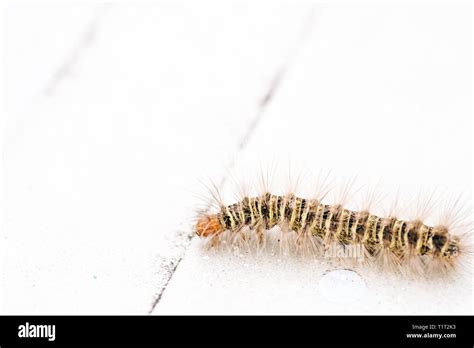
x: 208, y: 225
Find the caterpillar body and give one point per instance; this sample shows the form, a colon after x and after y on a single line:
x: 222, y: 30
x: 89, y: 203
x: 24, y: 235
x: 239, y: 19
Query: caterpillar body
x: 433, y: 248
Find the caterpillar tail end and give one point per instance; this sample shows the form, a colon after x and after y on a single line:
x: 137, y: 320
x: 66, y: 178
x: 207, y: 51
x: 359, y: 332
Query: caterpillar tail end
x: 208, y: 225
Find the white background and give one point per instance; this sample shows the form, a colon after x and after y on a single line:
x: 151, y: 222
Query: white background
x: 113, y: 113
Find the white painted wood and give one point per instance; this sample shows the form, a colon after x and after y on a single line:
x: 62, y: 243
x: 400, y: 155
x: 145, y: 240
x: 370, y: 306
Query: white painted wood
x: 36, y: 41
x: 382, y: 91
x: 99, y: 173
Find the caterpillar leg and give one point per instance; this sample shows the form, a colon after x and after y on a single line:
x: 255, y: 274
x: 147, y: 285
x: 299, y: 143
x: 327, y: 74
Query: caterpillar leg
x: 260, y: 236
x: 214, y: 242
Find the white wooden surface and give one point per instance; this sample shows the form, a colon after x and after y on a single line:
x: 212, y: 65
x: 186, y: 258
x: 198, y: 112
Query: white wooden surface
x: 100, y: 169
x: 379, y: 91
x: 115, y: 111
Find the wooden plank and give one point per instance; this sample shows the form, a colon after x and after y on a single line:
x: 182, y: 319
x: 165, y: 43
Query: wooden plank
x: 382, y: 91
x: 99, y: 175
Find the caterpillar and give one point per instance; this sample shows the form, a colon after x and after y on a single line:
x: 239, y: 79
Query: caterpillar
x: 317, y: 225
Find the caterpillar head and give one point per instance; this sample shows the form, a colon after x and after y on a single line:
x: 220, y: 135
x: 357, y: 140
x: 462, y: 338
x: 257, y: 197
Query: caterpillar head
x: 208, y: 225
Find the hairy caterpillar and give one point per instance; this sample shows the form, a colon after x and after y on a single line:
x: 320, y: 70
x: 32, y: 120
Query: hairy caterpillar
x: 317, y: 225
